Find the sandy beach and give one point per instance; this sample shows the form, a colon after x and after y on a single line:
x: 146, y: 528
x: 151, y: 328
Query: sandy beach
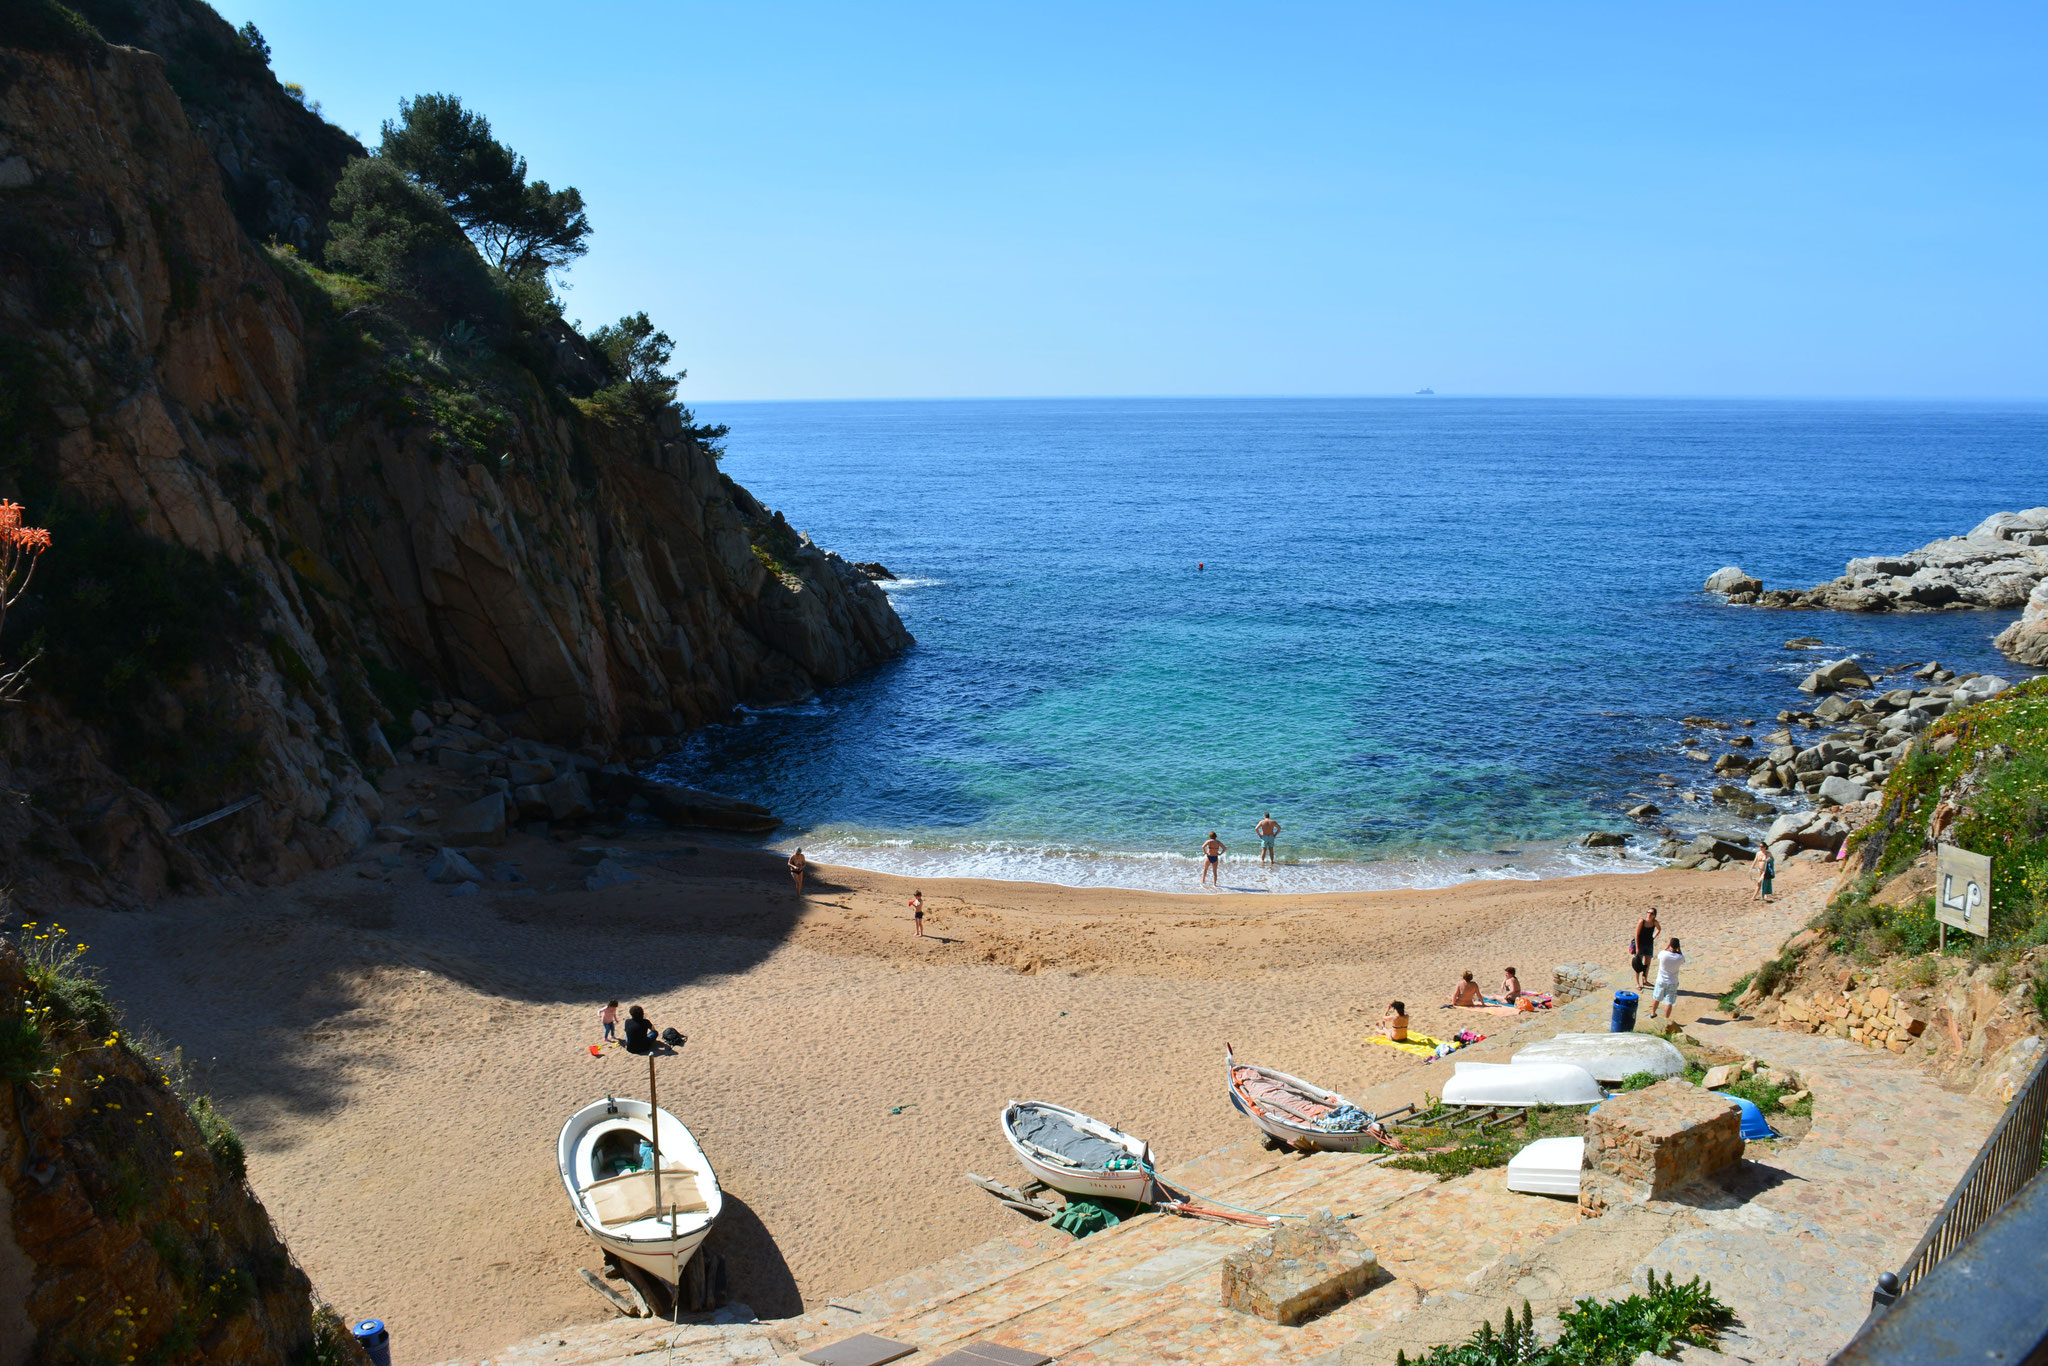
x: 400, y: 1060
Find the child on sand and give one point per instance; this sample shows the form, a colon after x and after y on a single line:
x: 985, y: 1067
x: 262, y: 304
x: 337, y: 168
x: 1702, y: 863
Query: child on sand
x: 1394, y: 1024
x: 1511, y: 986
x: 609, y: 1018
x: 1466, y: 993
x: 1666, y: 992
x: 917, y: 912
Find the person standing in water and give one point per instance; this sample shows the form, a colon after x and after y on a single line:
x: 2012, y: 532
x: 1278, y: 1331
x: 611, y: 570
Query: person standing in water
x: 1212, y: 854
x: 1267, y: 830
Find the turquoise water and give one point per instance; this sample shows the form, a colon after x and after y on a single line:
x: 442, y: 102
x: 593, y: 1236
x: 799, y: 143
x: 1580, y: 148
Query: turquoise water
x: 1435, y: 637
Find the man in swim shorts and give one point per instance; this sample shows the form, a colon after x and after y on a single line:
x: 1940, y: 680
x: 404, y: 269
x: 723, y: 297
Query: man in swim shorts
x: 1212, y: 851
x: 1267, y: 830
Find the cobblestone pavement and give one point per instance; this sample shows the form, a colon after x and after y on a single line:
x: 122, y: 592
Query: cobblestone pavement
x: 1796, y: 1242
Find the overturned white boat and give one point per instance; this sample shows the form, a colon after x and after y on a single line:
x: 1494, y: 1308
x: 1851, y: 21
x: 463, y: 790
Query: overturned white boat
x: 1549, y: 1166
x: 1298, y: 1113
x: 1609, y: 1057
x: 1075, y: 1153
x: 639, y: 1183
x: 1521, y: 1083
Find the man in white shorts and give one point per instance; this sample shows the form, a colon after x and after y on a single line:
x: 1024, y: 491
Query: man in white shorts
x: 1666, y: 990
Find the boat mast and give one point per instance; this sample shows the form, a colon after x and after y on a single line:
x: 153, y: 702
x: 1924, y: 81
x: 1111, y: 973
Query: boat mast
x: 654, y: 1128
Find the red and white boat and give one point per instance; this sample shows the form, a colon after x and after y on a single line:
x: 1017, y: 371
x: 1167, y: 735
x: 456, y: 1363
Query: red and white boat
x: 1290, y: 1109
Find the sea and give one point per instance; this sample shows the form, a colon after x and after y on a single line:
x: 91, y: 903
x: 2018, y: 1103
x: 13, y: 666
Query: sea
x: 1438, y: 638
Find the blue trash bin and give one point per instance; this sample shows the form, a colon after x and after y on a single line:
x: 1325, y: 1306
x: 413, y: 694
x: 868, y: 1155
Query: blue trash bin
x: 375, y: 1340
x: 1623, y: 1020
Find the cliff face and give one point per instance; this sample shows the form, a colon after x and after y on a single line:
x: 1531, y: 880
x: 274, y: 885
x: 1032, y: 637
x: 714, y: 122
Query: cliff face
x: 126, y: 1230
x: 284, y: 513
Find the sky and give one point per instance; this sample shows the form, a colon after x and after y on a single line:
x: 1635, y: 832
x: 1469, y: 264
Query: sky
x: 950, y: 200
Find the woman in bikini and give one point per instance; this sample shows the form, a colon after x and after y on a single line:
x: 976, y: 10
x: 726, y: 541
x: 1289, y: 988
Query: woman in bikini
x: 797, y: 864
x: 1394, y: 1024
x: 1212, y: 851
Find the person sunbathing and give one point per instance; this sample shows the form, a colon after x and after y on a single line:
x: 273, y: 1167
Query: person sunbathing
x: 1394, y: 1024
x: 1467, y: 993
x: 1511, y: 986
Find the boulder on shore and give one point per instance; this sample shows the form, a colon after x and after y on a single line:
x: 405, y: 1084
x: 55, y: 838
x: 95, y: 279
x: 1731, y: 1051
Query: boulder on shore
x: 1840, y: 673
x: 2026, y: 640
x: 1732, y: 580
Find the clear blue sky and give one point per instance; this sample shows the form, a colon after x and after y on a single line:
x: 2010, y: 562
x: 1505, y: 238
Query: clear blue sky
x: 855, y: 200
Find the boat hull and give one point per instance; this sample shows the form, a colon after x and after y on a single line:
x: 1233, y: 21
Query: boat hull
x: 1134, y: 1184
x: 1285, y: 1130
x: 1521, y: 1084
x: 661, y: 1245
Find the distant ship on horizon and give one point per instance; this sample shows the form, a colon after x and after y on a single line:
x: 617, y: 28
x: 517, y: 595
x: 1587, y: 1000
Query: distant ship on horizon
x: 1420, y: 392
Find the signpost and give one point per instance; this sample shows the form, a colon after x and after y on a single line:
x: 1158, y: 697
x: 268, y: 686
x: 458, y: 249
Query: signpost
x: 1962, y: 891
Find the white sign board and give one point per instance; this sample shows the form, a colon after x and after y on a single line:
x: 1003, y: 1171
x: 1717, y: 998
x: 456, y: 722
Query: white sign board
x: 1962, y: 890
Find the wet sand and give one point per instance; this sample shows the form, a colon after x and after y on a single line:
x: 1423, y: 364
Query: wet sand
x: 400, y: 1061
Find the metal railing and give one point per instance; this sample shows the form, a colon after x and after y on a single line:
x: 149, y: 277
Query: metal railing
x: 2010, y: 1157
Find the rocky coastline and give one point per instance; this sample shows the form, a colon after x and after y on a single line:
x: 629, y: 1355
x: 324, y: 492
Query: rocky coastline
x: 2002, y: 562
x: 289, y: 513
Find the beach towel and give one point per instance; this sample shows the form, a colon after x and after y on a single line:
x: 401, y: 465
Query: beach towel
x: 1421, y: 1045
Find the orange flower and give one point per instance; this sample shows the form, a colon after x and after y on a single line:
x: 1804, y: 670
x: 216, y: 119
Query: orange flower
x: 10, y: 515
x: 33, y: 539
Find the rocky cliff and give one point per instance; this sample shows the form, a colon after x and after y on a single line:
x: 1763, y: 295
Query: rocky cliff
x: 127, y: 1231
x: 289, y: 507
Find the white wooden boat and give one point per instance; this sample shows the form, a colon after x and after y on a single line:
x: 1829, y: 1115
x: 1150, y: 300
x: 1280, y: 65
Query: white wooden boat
x: 1072, y: 1152
x: 1609, y: 1057
x: 1521, y: 1083
x: 1549, y: 1166
x: 1289, y: 1108
x: 606, y: 1153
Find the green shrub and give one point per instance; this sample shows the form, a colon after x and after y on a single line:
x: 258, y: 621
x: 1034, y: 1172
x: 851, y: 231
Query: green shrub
x: 399, y: 236
x: 1765, y: 1095
x: 46, y: 26
x: 70, y: 994
x: 24, y: 1050
x: 332, y: 1344
x: 1457, y: 1162
x: 230, y: 1158
x: 1636, y: 1081
x: 1729, y: 998
x: 1613, y: 1333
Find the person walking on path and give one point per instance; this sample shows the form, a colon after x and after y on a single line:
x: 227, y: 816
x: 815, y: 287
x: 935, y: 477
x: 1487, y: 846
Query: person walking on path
x: 797, y: 864
x: 1212, y: 854
x: 1666, y: 991
x: 609, y: 1018
x: 917, y: 912
x: 1766, y: 868
x: 1267, y: 830
x: 1644, y: 946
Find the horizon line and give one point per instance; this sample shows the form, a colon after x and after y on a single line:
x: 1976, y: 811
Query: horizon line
x: 2019, y: 399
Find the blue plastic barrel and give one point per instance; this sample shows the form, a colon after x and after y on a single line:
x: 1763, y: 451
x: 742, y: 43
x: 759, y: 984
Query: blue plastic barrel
x: 373, y: 1338
x: 1624, y: 1019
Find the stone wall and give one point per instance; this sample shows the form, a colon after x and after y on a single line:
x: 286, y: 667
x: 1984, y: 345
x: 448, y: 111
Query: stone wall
x: 1646, y: 1144
x: 1962, y: 1020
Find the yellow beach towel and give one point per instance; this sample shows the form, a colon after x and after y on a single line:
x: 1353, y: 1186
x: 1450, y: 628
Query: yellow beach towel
x: 1421, y: 1045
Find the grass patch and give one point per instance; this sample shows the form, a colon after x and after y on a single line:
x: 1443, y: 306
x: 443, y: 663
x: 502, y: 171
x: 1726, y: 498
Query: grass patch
x: 1767, y: 1096
x: 1464, y: 1151
x: 223, y: 1144
x: 1613, y: 1333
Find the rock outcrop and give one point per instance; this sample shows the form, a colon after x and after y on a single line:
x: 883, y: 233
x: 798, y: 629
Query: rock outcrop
x: 1996, y: 564
x: 2026, y: 640
x: 283, y: 520
x: 128, y: 1232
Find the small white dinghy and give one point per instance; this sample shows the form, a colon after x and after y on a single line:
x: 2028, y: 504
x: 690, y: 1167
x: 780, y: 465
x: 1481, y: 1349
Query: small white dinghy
x: 653, y: 1212
x: 1072, y: 1152
x: 1609, y: 1057
x: 1549, y: 1166
x: 1292, y: 1110
x: 1521, y: 1083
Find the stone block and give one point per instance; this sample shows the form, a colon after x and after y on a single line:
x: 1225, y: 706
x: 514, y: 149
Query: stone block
x: 481, y: 822
x: 1645, y: 1144
x: 1569, y: 981
x: 568, y: 798
x: 529, y: 772
x: 1299, y: 1271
